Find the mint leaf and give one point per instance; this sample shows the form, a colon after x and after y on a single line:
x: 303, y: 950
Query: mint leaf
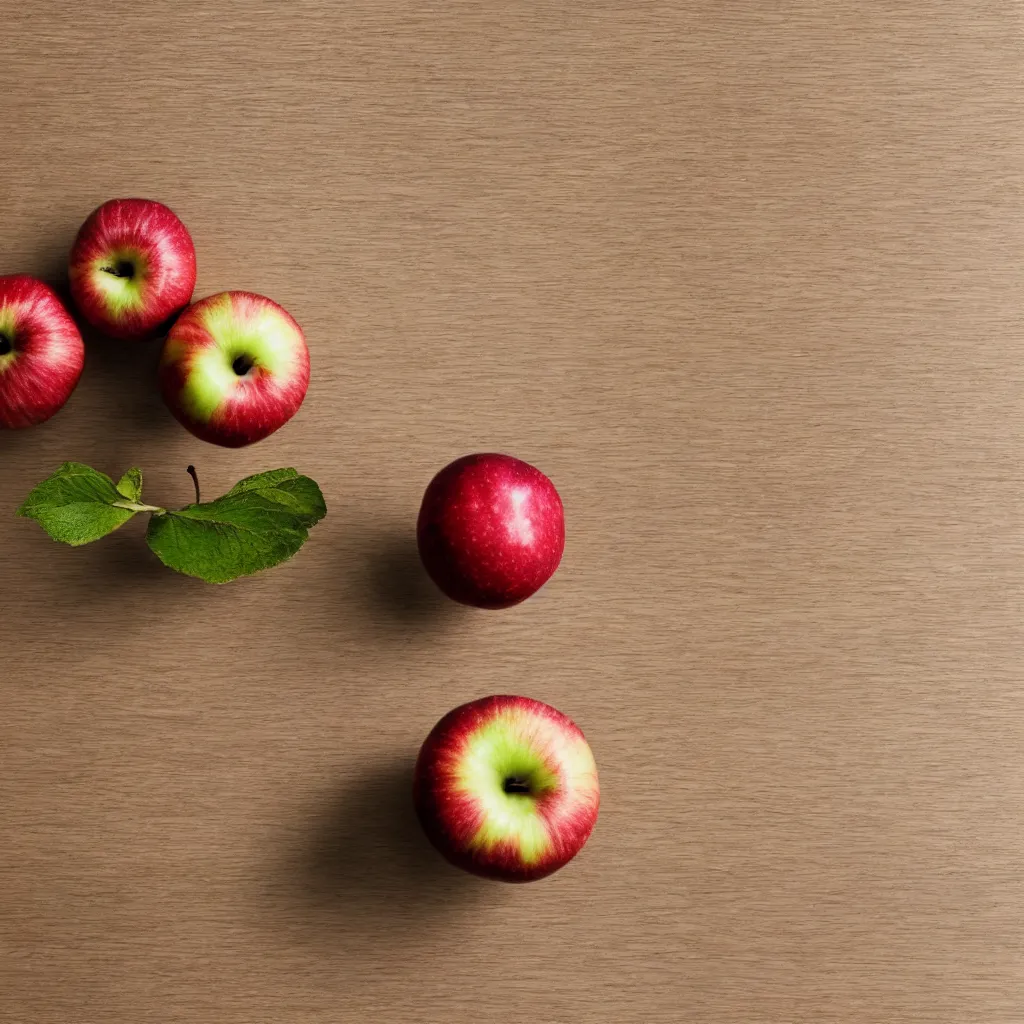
x: 76, y: 505
x: 130, y: 485
x: 260, y: 522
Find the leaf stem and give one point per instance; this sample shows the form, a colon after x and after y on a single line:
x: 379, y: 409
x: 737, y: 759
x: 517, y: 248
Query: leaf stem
x: 191, y: 470
x: 135, y: 506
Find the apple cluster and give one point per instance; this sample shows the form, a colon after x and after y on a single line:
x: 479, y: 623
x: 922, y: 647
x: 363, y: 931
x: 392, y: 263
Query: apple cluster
x: 234, y: 366
x: 506, y: 786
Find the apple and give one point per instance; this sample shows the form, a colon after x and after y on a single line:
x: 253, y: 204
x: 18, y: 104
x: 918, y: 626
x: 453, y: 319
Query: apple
x: 234, y: 368
x: 133, y: 268
x: 506, y: 787
x: 491, y: 530
x: 41, y: 352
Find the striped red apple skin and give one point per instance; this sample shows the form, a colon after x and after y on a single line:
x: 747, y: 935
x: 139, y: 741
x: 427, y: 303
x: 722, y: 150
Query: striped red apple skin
x: 41, y: 352
x: 234, y: 368
x: 506, y: 787
x: 132, y: 268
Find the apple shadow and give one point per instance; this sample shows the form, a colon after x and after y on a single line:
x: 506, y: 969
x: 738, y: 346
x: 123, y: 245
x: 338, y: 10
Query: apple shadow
x: 121, y: 374
x: 118, y: 386
x: 117, y: 413
x: 14, y: 441
x: 124, y: 374
x: 398, y: 589
x: 363, y: 869
x: 53, y: 270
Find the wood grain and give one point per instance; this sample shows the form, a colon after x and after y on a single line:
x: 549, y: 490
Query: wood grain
x: 745, y: 280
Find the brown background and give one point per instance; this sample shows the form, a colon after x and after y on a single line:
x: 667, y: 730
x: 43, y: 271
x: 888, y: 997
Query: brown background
x: 745, y: 280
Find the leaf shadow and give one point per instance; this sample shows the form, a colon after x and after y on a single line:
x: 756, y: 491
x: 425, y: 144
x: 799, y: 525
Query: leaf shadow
x: 82, y: 585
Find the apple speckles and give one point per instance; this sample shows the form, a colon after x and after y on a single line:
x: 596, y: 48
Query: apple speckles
x: 491, y: 530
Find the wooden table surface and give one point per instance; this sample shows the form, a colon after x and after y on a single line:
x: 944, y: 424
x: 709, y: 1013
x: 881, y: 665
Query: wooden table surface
x: 745, y: 280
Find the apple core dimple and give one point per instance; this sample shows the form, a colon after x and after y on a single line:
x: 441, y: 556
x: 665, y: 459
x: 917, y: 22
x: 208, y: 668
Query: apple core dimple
x: 234, y: 368
x: 506, y: 787
x: 122, y: 268
x: 132, y: 268
x: 6, y: 345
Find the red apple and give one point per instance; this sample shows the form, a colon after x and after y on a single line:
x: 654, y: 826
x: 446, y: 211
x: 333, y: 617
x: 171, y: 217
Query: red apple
x: 133, y: 268
x: 506, y: 787
x: 491, y: 530
x: 41, y: 352
x: 234, y: 368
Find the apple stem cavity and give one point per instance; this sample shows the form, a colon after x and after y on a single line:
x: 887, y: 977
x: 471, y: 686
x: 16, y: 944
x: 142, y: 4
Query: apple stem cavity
x: 242, y: 365
x: 123, y: 268
x: 514, y: 785
x: 6, y: 345
x: 191, y: 470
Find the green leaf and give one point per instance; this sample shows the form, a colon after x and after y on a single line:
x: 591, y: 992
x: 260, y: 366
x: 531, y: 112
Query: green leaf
x: 286, y: 488
x: 130, y: 485
x: 261, y: 481
x: 75, y: 505
x: 260, y: 522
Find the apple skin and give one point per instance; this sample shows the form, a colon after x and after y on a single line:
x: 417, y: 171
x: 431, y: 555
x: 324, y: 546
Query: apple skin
x: 234, y: 368
x: 491, y: 530
x: 132, y: 268
x: 41, y: 352
x: 474, y: 821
